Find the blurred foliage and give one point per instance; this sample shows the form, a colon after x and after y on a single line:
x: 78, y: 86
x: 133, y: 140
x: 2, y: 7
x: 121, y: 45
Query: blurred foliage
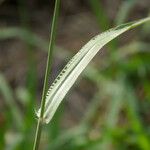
x: 117, y: 117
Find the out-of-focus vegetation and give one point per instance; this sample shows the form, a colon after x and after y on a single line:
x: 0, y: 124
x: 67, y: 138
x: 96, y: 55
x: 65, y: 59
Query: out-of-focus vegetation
x: 116, y: 116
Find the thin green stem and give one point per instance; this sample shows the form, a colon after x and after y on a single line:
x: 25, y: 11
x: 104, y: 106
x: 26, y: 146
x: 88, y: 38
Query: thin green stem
x: 48, y: 69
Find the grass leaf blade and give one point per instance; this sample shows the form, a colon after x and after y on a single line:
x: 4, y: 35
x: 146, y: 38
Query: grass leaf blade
x: 77, y: 64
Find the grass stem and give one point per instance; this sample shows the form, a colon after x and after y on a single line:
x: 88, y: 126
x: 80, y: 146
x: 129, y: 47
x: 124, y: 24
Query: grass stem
x: 48, y: 69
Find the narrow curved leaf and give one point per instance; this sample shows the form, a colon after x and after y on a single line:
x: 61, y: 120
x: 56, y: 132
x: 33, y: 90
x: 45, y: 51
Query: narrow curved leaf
x: 77, y: 64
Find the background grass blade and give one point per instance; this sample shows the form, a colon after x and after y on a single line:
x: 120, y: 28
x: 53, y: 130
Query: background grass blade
x: 6, y: 92
x: 124, y: 11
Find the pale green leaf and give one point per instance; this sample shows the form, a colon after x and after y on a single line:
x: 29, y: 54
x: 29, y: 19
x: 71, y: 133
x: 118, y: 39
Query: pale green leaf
x: 76, y: 65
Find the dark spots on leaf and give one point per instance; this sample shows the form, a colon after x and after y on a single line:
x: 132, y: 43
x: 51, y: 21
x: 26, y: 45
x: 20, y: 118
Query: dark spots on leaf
x: 58, y: 77
x: 124, y: 25
x: 63, y: 71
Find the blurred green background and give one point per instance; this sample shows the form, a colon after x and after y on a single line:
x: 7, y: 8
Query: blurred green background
x: 109, y: 106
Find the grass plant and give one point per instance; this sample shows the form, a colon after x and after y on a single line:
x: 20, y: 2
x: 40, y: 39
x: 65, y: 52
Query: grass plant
x: 116, y: 115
